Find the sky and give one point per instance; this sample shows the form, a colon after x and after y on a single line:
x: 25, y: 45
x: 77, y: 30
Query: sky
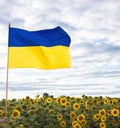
x: 93, y: 26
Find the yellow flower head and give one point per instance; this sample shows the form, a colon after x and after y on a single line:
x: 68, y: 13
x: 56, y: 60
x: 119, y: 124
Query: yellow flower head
x: 102, y: 112
x: 103, y: 118
x: 110, y: 101
x: 76, y: 106
x: 49, y: 100
x: 32, y: 108
x: 63, y: 101
x: 96, y: 117
x: 77, y: 125
x: 31, y: 112
x: 67, y: 104
x: 86, y: 110
x: 102, y: 125
x: 18, y: 107
x: 62, y: 123
x: 114, y: 122
x: 27, y: 97
x: 72, y: 114
x: 81, y: 101
x: 35, y: 101
x: 114, y: 101
x: 21, y: 126
x: 15, y: 114
x: 83, y: 122
x: 94, y: 107
x: 87, y: 106
x: 74, y: 122
x: 95, y: 101
x: 106, y: 100
x: 23, y: 99
x: 51, y: 111
x: 1, y: 112
x: 87, y: 102
x: 115, y: 112
x: 59, y: 117
x: 57, y: 100
x: 80, y: 117
x: 109, y: 113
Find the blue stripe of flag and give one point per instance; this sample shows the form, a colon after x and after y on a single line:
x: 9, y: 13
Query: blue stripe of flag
x: 49, y: 37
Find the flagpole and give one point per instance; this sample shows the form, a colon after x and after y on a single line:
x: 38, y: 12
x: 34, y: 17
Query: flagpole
x: 6, y: 111
x: 7, y: 75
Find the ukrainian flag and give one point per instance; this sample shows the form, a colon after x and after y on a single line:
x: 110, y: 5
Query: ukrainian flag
x: 44, y: 49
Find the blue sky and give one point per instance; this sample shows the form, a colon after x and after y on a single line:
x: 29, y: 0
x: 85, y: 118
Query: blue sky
x: 93, y: 26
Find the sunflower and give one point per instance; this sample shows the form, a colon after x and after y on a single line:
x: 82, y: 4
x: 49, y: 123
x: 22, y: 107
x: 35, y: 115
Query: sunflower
x: 51, y: 111
x: 102, y: 125
x: 32, y: 108
x: 23, y: 99
x: 106, y: 100
x: 96, y: 117
x: 95, y: 101
x: 38, y: 96
x: 102, y: 112
x: 1, y: 108
x: 76, y: 106
x: 119, y: 100
x: 24, y: 107
x: 15, y: 114
x: 87, y: 102
x: 67, y: 104
x: 110, y: 101
x: 81, y: 101
x: 27, y: 97
x: 18, y: 107
x: 113, y: 122
x: 115, y: 112
x: 35, y: 101
x: 77, y: 125
x: 90, y: 97
x: 80, y: 117
x: 31, y: 101
x: 21, y: 126
x: 72, y: 114
x: 1, y: 112
x: 49, y: 100
x: 83, y: 122
x: 57, y: 100
x: 109, y: 113
x: 86, y: 110
x: 63, y: 101
x: 83, y: 96
x: 62, y: 123
x: 59, y: 117
x: 5, y: 114
x: 87, y: 106
x: 114, y: 101
x: 93, y: 107
x: 74, y: 122
x: 103, y: 118
x: 31, y: 112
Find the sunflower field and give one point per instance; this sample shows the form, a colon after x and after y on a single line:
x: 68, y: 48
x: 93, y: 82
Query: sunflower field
x: 61, y: 112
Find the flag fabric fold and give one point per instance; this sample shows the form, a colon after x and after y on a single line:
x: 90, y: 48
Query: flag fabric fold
x: 44, y: 49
